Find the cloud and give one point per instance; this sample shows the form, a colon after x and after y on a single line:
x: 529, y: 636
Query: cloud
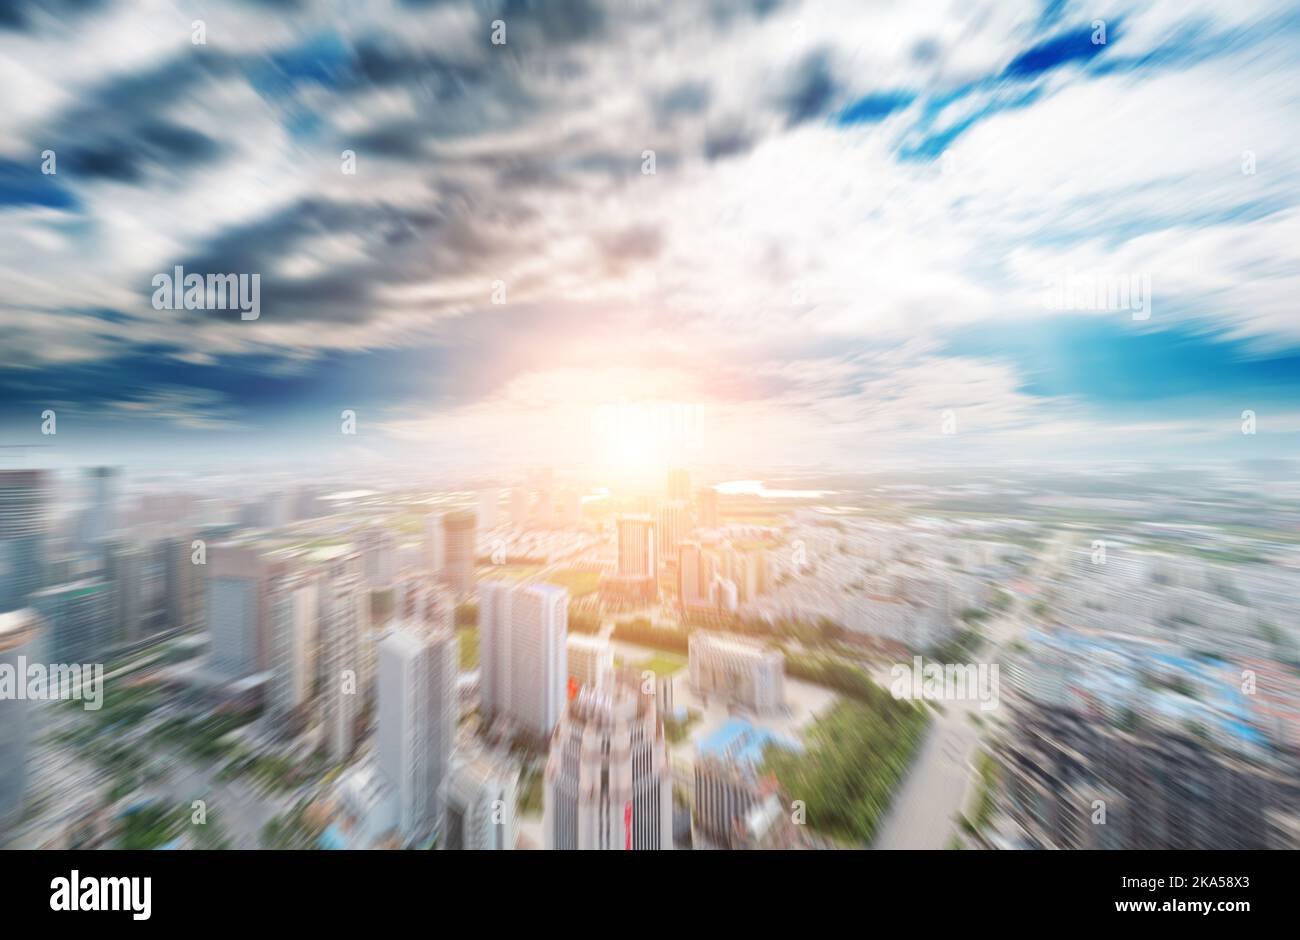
x: 834, y: 184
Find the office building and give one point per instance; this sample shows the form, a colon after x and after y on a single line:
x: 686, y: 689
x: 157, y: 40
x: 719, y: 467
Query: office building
x: 706, y: 508
x: 418, y: 713
x: 591, y: 660
x: 433, y: 544
x: 522, y: 654
x: 237, y: 610
x: 24, y: 496
x: 738, y: 669
x: 636, y: 577
x: 480, y: 797
x: 672, y: 526
x: 103, y: 489
x: 459, y: 551
x: 608, y: 783
x: 730, y: 785
x: 697, y: 570
x: 378, y: 548
x: 293, y: 611
x: 343, y: 617
x: 1160, y: 789
x: 78, y: 618
x: 19, y: 637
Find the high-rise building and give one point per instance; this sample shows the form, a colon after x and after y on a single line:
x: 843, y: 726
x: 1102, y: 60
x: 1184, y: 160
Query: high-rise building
x: 480, y: 796
x: 591, y: 659
x: 237, y: 609
x: 122, y: 565
x: 673, y: 526
x: 706, y: 507
x: 24, y: 496
x: 103, y: 486
x: 636, y: 577
x: 738, y: 668
x: 608, y: 783
x: 378, y: 548
x: 729, y: 785
x: 185, y: 584
x: 19, y: 634
x: 433, y: 544
x: 696, y: 572
x: 343, y: 616
x: 459, y: 551
x: 679, y: 484
x: 293, y: 611
x: 418, y: 713
x: 522, y: 655
x: 636, y: 547
x: 426, y: 601
x: 78, y: 618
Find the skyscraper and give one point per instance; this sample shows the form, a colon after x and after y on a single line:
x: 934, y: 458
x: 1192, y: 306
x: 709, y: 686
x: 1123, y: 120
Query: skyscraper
x: 673, y: 525
x: 459, y: 551
x: 706, y: 507
x: 18, y: 637
x: 523, y: 671
x: 433, y: 544
x: 591, y: 659
x: 379, y: 554
x: 23, y: 501
x: 636, y: 547
x: 237, y: 610
x: 342, y: 617
x: 103, y: 485
x: 696, y: 571
x: 418, y: 713
x: 78, y: 618
x: 608, y: 783
x: 292, y: 611
x: 480, y: 796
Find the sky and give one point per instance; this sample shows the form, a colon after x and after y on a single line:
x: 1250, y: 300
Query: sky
x: 636, y: 232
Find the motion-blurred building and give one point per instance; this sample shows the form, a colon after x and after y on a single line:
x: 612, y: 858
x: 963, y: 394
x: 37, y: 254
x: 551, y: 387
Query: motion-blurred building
x: 24, y: 498
x: 522, y: 654
x: 418, y: 713
x: 19, y: 636
x: 480, y: 795
x: 739, y: 669
x: 459, y: 530
x: 608, y: 783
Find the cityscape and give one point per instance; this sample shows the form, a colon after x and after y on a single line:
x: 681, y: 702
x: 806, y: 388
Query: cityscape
x: 692, y: 425
x: 556, y: 664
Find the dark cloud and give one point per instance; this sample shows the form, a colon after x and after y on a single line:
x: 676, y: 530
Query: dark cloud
x: 728, y: 138
x: 26, y: 15
x: 811, y: 91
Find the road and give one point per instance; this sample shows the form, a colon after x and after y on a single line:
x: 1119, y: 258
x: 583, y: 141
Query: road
x: 943, y: 776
